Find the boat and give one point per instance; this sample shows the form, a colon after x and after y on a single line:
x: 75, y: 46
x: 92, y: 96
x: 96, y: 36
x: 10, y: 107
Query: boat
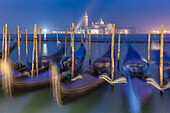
x: 11, y: 48
x: 88, y: 81
x: 25, y: 83
x: 43, y: 62
x: 25, y: 70
x: 136, y: 71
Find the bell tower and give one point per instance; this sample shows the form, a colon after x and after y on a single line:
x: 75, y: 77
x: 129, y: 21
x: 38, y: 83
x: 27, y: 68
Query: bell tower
x: 85, y: 20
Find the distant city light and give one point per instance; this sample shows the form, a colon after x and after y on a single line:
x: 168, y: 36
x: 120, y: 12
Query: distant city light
x: 165, y: 31
x: 45, y: 30
x: 126, y: 31
x: 158, y: 32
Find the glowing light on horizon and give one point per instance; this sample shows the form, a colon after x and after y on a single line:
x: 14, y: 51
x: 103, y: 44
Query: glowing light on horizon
x: 45, y: 30
x: 158, y: 32
x: 165, y: 31
x: 126, y: 31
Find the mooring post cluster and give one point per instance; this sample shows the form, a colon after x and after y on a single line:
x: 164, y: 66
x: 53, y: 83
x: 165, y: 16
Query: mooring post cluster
x: 35, y: 41
x: 6, y: 48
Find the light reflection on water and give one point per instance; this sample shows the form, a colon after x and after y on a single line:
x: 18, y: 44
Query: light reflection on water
x: 45, y: 36
x: 45, y: 49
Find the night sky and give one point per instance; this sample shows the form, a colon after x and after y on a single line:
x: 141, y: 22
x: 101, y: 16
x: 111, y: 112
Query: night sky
x: 59, y: 14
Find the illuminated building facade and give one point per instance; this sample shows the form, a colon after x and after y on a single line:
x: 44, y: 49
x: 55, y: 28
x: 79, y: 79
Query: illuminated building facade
x: 102, y: 28
x: 126, y: 30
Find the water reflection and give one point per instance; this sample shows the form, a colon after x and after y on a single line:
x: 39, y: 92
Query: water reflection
x: 134, y: 103
x: 45, y: 50
x: 45, y: 36
x: 155, y: 46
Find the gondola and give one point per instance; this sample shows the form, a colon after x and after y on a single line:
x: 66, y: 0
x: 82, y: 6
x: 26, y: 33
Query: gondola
x: 136, y: 71
x: 43, y: 62
x: 90, y: 80
x: 25, y: 83
x: 11, y: 49
x: 43, y: 65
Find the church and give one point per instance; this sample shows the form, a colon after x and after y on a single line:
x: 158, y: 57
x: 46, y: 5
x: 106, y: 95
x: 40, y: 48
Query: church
x: 101, y: 28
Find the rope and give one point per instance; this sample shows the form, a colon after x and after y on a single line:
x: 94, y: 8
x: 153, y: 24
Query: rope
x: 167, y: 86
x: 78, y: 77
x: 106, y: 78
x: 59, y: 42
x: 27, y: 73
x: 150, y: 81
x: 153, y: 82
x: 143, y: 59
x: 153, y: 62
x: 117, y: 81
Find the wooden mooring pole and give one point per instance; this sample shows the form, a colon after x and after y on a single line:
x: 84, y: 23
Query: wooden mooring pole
x: 19, y: 53
x: 161, y: 57
x: 112, y: 54
x: 118, y: 51
x: 33, y: 51
x: 149, y: 41
x: 3, y: 42
x: 26, y: 45
x: 6, y: 31
x: 72, y: 72
x: 81, y: 38
x: 90, y: 47
x: 57, y: 41
x: 40, y: 43
x: 9, y: 42
x: 84, y: 36
x: 65, y: 43
x: 36, y: 39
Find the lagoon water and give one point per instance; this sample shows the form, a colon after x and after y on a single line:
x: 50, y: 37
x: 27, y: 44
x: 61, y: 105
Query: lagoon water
x: 101, y: 100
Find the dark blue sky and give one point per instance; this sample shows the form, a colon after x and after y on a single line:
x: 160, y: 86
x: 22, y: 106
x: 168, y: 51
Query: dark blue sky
x: 59, y: 14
